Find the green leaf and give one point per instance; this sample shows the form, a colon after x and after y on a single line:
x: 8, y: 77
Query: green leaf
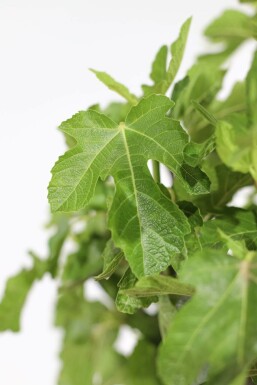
x: 237, y: 145
x: 224, y: 184
x: 113, y: 85
x: 202, y: 84
x: 192, y: 213
x: 158, y: 285
x: 237, y: 224
x: 220, y: 338
x: 177, y: 50
x: 112, y: 258
x: 238, y: 248
x: 163, y: 77
x: 160, y: 65
x: 15, y: 295
x: 140, y: 210
x: 179, y: 88
x: 126, y: 303
x: 235, y: 102
x: 232, y: 25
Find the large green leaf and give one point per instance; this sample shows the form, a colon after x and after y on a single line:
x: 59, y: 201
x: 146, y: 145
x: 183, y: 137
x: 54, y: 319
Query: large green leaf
x: 145, y: 224
x: 215, y: 333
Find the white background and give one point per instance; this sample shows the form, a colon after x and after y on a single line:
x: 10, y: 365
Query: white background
x: 46, y: 48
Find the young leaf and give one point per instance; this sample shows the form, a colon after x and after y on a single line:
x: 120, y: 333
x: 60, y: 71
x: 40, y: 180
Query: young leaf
x: 224, y: 184
x: 113, y: 85
x: 237, y: 224
x: 163, y: 78
x: 141, y: 216
x: 160, y: 65
x: 220, y: 337
x: 177, y: 50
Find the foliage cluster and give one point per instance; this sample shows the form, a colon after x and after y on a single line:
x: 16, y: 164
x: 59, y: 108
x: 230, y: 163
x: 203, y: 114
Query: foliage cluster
x: 184, y: 247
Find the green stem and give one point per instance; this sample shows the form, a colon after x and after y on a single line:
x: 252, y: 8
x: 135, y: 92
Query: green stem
x: 156, y: 171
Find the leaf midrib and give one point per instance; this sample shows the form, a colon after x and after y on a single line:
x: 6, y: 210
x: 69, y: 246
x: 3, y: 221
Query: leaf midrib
x: 123, y: 134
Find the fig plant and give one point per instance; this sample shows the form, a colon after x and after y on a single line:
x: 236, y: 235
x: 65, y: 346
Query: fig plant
x: 182, y: 247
